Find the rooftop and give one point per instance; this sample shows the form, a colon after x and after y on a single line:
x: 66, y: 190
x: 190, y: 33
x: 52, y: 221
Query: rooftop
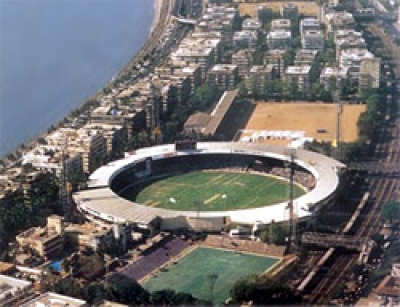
x: 55, y: 300
x: 298, y: 70
x: 279, y: 34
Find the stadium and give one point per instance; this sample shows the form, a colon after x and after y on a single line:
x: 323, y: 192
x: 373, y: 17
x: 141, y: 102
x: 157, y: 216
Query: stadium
x: 106, y: 200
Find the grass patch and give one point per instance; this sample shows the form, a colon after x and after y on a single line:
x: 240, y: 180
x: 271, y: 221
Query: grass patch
x: 203, y: 190
x: 209, y: 273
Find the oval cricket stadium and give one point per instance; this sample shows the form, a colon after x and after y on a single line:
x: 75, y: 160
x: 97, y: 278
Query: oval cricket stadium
x: 204, y: 185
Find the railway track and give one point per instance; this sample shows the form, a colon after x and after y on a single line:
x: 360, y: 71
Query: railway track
x: 382, y: 189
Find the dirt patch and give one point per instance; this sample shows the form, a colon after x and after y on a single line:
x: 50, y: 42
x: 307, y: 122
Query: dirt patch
x: 306, y: 8
x: 318, y: 121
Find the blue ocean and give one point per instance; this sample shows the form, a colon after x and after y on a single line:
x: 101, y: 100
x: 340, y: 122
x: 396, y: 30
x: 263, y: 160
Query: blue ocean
x: 55, y: 54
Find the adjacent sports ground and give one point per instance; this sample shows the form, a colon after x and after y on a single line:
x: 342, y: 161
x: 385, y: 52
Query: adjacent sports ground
x: 308, y: 117
x: 306, y: 8
x: 209, y: 273
x: 204, y: 190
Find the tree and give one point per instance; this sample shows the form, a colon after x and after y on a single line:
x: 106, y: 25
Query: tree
x: 128, y: 292
x: 95, y: 292
x: 262, y: 290
x: 391, y: 211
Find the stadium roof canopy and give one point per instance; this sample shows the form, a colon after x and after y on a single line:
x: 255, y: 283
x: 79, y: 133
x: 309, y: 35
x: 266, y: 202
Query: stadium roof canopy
x: 102, y: 203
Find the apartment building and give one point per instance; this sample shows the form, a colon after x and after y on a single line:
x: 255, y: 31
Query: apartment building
x: 332, y: 78
x: 243, y: 59
x: 225, y: 76
x: 279, y: 39
x: 114, y: 135
x: 277, y: 59
x: 258, y: 77
x: 352, y: 59
x: 195, y: 55
x: 245, y: 39
x: 281, y: 24
x: 132, y: 119
x: 309, y: 24
x: 202, y: 42
x: 289, y: 10
x: 251, y: 24
x: 348, y: 42
x: 306, y: 57
x: 224, y: 19
x: 300, y: 75
x: 370, y: 70
x: 313, y: 39
x: 338, y: 20
x: 91, y: 145
x: 54, y: 160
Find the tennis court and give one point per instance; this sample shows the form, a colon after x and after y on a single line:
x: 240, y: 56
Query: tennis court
x: 209, y: 273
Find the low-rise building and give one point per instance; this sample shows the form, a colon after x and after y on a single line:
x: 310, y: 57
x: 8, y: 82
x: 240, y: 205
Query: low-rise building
x: 54, y: 299
x: 225, y: 76
x: 313, y: 39
x: 78, y: 236
x: 47, y: 241
x: 299, y: 75
x: 243, y: 59
x: 14, y: 291
x: 279, y: 39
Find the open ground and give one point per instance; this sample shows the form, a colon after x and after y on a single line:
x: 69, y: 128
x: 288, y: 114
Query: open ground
x: 307, y: 117
x: 305, y: 7
x: 209, y: 273
x: 203, y: 190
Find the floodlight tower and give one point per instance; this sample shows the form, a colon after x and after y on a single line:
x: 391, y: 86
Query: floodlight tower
x: 291, y: 152
x: 65, y: 185
x: 339, y: 111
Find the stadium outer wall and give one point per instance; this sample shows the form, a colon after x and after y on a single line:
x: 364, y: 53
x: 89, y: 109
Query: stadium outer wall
x: 102, y: 205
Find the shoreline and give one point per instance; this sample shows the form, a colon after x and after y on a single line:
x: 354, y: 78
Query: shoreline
x: 19, y: 150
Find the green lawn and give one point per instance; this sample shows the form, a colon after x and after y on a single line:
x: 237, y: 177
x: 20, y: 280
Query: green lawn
x: 203, y: 190
x: 209, y: 273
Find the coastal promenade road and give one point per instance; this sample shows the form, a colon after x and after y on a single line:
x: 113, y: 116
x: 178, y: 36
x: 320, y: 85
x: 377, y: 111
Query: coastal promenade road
x: 164, y: 19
